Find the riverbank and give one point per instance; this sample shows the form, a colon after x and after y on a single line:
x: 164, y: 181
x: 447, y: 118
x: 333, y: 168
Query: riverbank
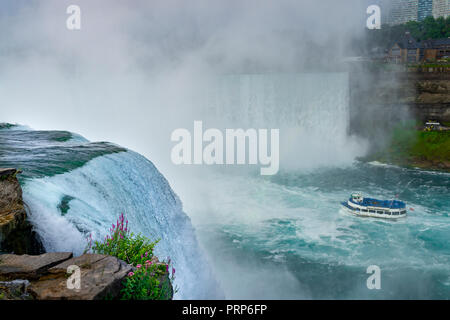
x: 389, y: 109
x: 409, y: 147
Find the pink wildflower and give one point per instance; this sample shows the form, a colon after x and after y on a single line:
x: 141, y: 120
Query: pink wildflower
x: 131, y: 274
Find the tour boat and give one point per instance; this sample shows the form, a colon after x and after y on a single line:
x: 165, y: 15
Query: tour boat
x: 368, y: 207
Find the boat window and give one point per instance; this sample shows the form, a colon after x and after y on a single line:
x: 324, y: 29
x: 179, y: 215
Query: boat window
x: 364, y: 210
x: 372, y: 211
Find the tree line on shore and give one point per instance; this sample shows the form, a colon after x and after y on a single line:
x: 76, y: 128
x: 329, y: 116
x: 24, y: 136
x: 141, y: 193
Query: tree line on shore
x: 429, y: 28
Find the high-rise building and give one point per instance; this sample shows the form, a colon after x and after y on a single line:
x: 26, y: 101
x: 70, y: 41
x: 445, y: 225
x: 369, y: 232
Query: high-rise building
x: 441, y: 8
x: 402, y: 11
x: 425, y: 9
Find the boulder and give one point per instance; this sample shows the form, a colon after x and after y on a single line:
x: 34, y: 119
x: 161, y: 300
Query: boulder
x: 29, y: 267
x: 16, y: 234
x: 101, y: 277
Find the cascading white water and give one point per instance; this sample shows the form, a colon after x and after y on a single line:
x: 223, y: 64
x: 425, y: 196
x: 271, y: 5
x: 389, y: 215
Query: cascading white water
x: 288, y: 229
x: 310, y: 109
x: 109, y: 185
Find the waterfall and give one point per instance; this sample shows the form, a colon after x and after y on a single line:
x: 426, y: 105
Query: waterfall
x: 310, y: 109
x: 96, y: 193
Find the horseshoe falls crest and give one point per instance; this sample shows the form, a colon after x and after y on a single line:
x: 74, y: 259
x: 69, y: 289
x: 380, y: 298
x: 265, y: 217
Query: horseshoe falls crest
x: 74, y: 188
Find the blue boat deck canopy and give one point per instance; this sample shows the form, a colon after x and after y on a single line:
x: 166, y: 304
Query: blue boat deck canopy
x: 389, y: 204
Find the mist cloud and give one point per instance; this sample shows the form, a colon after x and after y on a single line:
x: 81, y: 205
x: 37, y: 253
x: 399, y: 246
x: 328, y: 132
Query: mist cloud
x: 130, y: 74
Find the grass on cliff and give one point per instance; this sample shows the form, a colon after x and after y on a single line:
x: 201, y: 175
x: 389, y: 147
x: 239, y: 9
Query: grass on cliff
x: 410, y: 146
x: 150, y: 279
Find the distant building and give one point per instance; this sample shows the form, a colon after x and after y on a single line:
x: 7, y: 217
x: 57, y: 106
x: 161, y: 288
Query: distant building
x: 436, y: 49
x: 402, y: 11
x: 408, y: 50
x: 425, y: 9
x: 441, y: 8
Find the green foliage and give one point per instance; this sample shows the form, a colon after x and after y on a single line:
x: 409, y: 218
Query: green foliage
x: 411, y: 145
x: 403, y: 138
x: 429, y: 28
x: 431, y: 65
x: 133, y: 249
x: 432, y: 146
x: 149, y: 280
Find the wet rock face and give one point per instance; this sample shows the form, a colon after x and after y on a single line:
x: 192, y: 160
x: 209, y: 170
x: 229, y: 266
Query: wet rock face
x: 433, y: 100
x: 16, y: 234
x: 426, y: 96
x: 48, y: 276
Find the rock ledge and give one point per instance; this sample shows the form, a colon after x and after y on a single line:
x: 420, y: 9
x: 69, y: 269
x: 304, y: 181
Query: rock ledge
x: 46, y: 277
x: 16, y: 234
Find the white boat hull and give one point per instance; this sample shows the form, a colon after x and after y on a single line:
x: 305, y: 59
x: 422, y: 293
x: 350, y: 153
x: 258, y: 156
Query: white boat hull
x: 375, y: 212
x: 373, y: 215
